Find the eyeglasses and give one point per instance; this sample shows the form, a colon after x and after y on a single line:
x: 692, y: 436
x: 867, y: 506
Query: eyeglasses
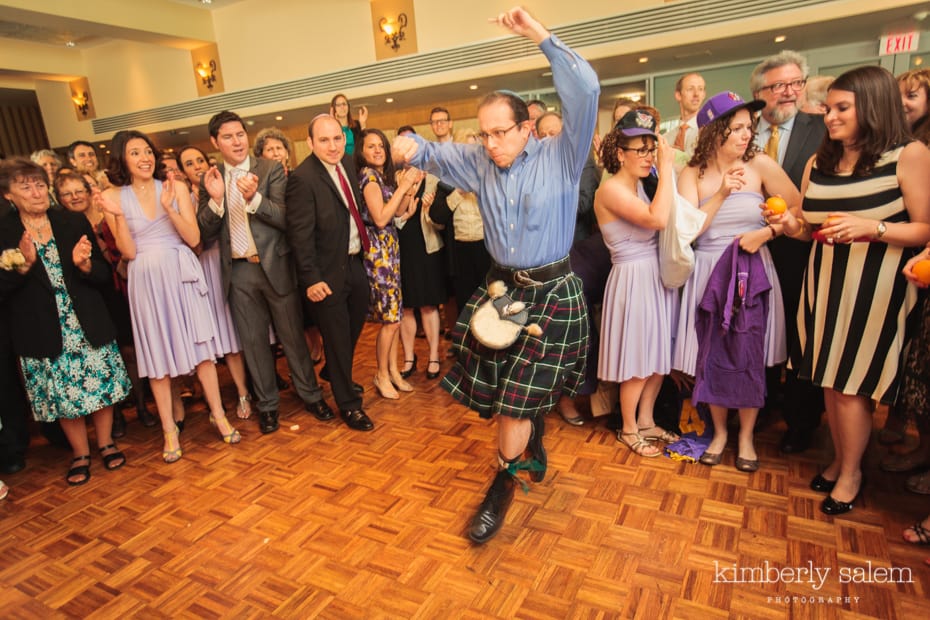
x: 497, y: 134
x: 781, y: 87
x: 76, y: 195
x: 439, y: 121
x: 643, y: 151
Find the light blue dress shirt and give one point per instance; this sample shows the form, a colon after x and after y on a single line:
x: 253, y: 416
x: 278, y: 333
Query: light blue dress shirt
x: 529, y: 209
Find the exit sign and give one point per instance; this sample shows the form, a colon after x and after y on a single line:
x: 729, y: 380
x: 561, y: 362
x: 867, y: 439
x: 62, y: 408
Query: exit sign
x: 898, y: 43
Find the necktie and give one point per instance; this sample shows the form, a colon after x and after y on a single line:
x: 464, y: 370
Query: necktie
x: 362, y: 233
x: 680, y: 138
x: 235, y: 204
x: 771, y: 147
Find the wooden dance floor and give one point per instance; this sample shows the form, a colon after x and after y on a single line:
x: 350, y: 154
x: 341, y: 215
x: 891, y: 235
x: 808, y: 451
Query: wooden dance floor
x: 317, y: 520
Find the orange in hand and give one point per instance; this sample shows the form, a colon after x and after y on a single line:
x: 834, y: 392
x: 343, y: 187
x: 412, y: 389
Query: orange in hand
x: 921, y: 270
x: 776, y: 204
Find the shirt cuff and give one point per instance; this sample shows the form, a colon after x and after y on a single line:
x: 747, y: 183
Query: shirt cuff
x: 253, y: 205
x: 218, y: 209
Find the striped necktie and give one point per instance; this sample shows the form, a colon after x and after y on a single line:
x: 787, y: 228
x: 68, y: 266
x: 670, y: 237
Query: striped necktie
x: 235, y: 204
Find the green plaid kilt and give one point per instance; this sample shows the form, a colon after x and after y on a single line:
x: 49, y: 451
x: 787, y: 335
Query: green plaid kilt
x: 527, y: 378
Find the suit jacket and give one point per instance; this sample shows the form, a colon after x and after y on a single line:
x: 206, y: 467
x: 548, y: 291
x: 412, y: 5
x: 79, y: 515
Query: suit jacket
x: 30, y: 299
x: 318, y: 224
x: 267, y: 224
x: 806, y: 136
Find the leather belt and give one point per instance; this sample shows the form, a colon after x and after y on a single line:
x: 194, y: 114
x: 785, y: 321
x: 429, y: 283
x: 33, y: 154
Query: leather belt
x: 536, y: 276
x: 250, y: 259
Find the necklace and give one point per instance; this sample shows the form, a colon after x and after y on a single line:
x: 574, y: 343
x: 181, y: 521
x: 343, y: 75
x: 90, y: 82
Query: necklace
x: 142, y: 189
x: 37, y: 231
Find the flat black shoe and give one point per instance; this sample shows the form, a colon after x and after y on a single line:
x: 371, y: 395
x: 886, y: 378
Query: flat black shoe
x: 119, y: 422
x: 267, y: 421
x: 113, y: 460
x: 490, y: 516
x: 433, y: 375
x: 832, y: 506
x: 794, y: 442
x: 537, y: 449
x: 13, y: 467
x: 357, y: 420
x: 821, y: 484
x: 413, y: 367
x: 320, y: 410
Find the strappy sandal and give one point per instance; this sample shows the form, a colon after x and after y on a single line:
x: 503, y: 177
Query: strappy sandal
x: 113, y: 460
x: 244, y: 408
x: 922, y: 533
x: 79, y: 470
x: 172, y: 454
x: 4, y: 490
x: 226, y: 430
x: 639, y: 446
x: 666, y: 436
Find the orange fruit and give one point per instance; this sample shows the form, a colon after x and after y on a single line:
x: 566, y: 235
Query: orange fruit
x: 921, y: 270
x: 776, y: 204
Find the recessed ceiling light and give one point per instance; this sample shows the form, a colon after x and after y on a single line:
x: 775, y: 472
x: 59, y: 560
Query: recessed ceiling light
x: 279, y: 118
x: 389, y: 100
x: 103, y: 146
x: 206, y: 1
x: 250, y: 123
x: 780, y: 38
x: 473, y: 87
x: 546, y: 74
x: 70, y: 43
x: 644, y: 59
x: 918, y: 61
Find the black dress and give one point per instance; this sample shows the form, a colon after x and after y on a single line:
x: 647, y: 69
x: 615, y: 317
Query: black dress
x: 422, y: 275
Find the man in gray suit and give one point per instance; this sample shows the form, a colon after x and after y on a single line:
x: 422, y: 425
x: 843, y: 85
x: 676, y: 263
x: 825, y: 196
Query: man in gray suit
x: 790, y: 137
x: 242, y: 205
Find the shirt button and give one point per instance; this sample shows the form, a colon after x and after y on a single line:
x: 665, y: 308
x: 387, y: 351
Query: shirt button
x: 511, y: 227
x: 512, y: 250
x: 511, y: 201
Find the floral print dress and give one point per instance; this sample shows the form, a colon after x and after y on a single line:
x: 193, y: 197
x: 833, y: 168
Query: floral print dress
x: 382, y: 263
x: 83, y: 378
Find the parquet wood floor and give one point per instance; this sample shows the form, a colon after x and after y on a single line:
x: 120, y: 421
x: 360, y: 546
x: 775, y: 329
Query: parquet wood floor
x: 321, y: 521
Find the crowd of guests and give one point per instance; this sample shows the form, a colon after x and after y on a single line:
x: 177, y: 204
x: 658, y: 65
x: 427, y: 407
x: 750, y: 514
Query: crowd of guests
x: 160, y: 265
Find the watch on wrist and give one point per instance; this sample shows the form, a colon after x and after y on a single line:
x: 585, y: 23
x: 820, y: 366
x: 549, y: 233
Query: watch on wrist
x: 880, y: 230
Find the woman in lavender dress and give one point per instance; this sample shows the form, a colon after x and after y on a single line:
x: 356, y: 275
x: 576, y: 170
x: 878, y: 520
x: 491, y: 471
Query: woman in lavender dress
x: 728, y: 178
x: 637, y: 317
x: 194, y: 163
x: 381, y: 203
x: 172, y: 321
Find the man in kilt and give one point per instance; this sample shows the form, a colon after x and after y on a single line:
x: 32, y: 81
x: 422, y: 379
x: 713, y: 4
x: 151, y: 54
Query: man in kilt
x: 528, y: 194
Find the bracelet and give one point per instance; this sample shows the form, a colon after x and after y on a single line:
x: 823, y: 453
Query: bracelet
x: 774, y: 232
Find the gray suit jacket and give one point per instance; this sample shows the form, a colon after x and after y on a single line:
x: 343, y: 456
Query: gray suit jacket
x: 806, y: 136
x: 268, y: 227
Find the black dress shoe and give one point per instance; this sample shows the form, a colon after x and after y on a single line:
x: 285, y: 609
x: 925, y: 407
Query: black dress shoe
x: 832, y: 506
x: 795, y: 442
x: 320, y: 410
x: 357, y: 420
x: 12, y: 467
x: 536, y: 448
x: 267, y: 421
x: 491, y: 512
x: 119, y: 422
x: 324, y: 375
x: 821, y: 484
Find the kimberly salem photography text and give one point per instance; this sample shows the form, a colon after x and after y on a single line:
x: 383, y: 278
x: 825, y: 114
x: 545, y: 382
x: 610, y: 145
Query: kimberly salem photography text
x: 815, y: 576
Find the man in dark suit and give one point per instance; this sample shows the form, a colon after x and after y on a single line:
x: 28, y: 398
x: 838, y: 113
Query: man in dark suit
x: 326, y: 234
x: 242, y: 205
x: 789, y: 136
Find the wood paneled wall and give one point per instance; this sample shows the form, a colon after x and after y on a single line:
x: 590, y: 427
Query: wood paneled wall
x: 21, y: 130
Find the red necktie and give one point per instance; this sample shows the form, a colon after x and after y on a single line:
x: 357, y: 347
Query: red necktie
x: 362, y: 233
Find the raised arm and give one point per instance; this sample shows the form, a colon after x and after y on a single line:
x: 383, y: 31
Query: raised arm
x: 109, y: 202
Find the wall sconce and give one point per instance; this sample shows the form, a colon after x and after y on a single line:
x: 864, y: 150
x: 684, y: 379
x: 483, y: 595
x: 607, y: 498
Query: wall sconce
x: 81, y: 102
x: 393, y: 31
x: 207, y: 73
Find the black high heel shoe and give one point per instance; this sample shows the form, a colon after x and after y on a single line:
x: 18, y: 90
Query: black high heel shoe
x: 412, y: 369
x: 433, y: 375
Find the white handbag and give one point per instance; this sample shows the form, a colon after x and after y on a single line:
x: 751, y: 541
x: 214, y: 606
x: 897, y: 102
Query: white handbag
x: 676, y: 257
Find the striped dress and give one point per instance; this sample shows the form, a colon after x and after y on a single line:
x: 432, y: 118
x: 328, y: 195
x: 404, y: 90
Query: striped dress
x: 854, y: 300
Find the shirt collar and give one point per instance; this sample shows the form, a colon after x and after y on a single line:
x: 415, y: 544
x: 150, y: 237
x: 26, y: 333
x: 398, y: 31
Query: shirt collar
x: 786, y: 126
x: 245, y: 165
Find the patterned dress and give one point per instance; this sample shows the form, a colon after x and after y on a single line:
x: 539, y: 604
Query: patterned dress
x: 382, y: 263
x: 83, y: 378
x: 854, y: 301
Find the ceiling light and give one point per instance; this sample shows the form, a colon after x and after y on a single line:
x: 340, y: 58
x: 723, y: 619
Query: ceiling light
x: 206, y: 1
x: 70, y: 43
x: 644, y: 59
x: 279, y: 118
x: 546, y: 74
x: 250, y: 123
x: 918, y: 61
x: 473, y: 87
x: 103, y: 146
x: 780, y: 38
x: 921, y: 15
x: 389, y: 100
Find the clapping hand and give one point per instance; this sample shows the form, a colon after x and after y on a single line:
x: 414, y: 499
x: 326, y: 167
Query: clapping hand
x: 105, y: 203
x: 81, y: 254
x: 167, y: 193
x: 28, y: 249
x: 248, y: 185
x: 214, y: 184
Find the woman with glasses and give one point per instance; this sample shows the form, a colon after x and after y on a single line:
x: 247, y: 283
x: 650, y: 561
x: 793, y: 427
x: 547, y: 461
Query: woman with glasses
x: 341, y: 110
x: 728, y: 179
x: 638, y: 311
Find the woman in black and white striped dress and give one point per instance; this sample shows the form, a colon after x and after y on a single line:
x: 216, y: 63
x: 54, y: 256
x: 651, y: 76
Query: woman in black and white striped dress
x: 866, y: 203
